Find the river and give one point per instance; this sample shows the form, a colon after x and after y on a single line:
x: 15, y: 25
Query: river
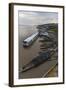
x: 27, y: 54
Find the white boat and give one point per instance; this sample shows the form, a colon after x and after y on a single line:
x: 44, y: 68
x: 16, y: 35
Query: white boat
x: 28, y: 41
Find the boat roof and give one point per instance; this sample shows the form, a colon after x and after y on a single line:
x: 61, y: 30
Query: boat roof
x: 31, y: 37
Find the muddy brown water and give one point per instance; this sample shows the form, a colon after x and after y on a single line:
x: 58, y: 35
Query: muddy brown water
x: 26, y: 54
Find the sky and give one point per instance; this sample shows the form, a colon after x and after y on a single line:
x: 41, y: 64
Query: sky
x: 37, y: 18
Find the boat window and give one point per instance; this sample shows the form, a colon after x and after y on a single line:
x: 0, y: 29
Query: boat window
x: 24, y: 41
